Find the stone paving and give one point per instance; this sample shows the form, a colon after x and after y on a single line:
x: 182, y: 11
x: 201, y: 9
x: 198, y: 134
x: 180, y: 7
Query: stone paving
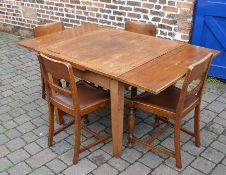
x: 24, y: 128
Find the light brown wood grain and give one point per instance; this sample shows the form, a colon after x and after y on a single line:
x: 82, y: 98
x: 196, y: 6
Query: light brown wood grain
x: 78, y: 99
x: 171, y: 106
x: 111, y: 52
x: 112, y: 57
x: 56, y: 37
x: 140, y: 27
x: 117, y: 115
x: 42, y: 30
x: 157, y: 75
x: 95, y: 78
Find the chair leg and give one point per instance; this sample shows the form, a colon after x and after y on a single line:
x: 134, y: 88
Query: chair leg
x: 197, y: 126
x: 177, y: 146
x: 77, y: 139
x: 133, y: 92
x: 131, y: 125
x: 86, y: 119
x: 59, y: 116
x: 43, y: 88
x: 51, y: 125
x: 157, y: 123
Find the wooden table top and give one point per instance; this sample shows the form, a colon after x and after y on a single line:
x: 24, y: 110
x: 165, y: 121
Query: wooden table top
x: 47, y: 40
x: 146, y: 62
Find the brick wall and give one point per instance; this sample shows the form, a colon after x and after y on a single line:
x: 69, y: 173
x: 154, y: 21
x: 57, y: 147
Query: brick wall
x: 173, y: 18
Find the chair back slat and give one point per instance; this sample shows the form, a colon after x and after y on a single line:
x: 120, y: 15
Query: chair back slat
x: 141, y: 28
x: 47, y: 29
x: 59, y: 90
x: 200, y: 68
x: 196, y: 72
x: 194, y: 90
x: 58, y: 70
x: 53, y: 71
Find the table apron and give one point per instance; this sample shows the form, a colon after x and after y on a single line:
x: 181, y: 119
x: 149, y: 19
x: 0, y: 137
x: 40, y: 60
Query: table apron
x: 93, y: 78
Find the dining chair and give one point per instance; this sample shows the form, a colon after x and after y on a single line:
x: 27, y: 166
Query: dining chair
x: 171, y: 106
x: 54, y: 27
x: 141, y: 28
x: 77, y: 99
x: 46, y: 29
x: 49, y: 28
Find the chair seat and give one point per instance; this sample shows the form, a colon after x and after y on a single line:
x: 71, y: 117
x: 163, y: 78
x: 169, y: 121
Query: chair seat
x: 88, y: 95
x: 166, y: 100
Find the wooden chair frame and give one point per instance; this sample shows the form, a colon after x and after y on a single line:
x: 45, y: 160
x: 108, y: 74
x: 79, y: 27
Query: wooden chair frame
x: 141, y: 28
x: 49, y: 28
x: 46, y: 29
x: 197, y: 71
x: 53, y: 71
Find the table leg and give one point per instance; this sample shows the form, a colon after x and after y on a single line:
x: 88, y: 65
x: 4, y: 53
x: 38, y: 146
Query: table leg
x: 117, y: 114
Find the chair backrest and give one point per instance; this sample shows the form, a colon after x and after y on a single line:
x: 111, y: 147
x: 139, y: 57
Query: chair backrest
x: 196, y: 74
x: 49, y: 28
x: 142, y: 28
x: 53, y: 71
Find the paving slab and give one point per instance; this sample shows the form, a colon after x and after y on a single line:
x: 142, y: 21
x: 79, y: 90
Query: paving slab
x: 24, y: 130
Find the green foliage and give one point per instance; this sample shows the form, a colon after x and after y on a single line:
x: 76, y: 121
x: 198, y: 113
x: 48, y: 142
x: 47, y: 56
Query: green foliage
x: 213, y: 80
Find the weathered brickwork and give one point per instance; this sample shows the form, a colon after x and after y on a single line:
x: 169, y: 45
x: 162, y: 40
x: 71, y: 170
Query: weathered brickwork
x: 173, y: 18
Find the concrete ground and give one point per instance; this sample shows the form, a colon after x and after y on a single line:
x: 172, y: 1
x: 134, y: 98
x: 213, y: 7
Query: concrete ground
x: 24, y: 128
